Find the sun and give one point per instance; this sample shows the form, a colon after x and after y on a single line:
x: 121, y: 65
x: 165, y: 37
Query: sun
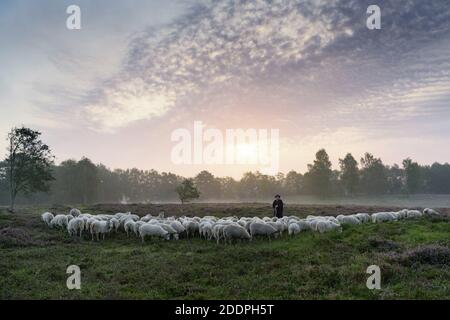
x: 247, y: 153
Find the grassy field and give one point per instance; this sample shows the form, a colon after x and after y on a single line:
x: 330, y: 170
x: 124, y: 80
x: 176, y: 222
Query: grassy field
x: 414, y: 257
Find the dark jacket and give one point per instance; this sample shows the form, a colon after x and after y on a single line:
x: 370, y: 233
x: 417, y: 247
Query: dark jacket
x: 278, y: 208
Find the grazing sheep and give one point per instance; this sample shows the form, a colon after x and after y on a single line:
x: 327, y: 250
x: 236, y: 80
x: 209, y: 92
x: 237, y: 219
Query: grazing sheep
x: 75, y: 212
x: 47, y: 217
x: 383, y: 217
x: 192, y: 228
x: 178, y: 226
x: 100, y: 227
x: 348, y: 220
x: 412, y: 214
x: 363, y: 217
x: 136, y: 227
x: 75, y: 226
x: 129, y: 226
x: 153, y: 230
x: 172, y: 232
x: 60, y: 221
x: 294, y: 229
x: 430, y: 212
x: 325, y: 226
x: 235, y: 232
x: 115, y: 224
x: 263, y: 229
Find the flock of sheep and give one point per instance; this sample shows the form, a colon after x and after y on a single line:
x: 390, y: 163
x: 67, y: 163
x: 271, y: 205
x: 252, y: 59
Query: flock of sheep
x: 224, y: 229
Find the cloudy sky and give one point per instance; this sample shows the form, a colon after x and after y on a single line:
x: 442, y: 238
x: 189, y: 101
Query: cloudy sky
x: 115, y: 90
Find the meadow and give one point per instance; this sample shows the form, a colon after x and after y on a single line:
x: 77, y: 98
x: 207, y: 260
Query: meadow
x: 414, y: 257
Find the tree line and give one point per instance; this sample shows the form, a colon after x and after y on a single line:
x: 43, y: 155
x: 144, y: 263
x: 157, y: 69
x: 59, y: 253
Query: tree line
x: 29, y: 175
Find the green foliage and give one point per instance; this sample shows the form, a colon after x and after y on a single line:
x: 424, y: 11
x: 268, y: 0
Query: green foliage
x: 319, y: 174
x: 28, y: 164
x: 373, y: 175
x: 349, y: 174
x: 187, y: 191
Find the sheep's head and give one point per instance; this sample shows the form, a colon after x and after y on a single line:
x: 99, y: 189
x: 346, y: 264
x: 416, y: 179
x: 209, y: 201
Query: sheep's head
x: 167, y: 236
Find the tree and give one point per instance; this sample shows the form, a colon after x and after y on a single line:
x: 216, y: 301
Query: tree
x: 187, y: 191
x: 208, y: 185
x: 293, y: 183
x: 28, y: 165
x: 412, y: 174
x: 349, y: 174
x: 373, y: 175
x: 319, y: 174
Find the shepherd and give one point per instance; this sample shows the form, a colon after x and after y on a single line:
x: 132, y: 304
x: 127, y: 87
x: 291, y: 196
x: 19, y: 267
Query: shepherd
x: 278, y: 207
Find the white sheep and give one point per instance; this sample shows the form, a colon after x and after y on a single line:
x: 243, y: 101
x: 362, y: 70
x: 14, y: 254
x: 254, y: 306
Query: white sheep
x: 172, y: 232
x: 430, y: 212
x: 74, y: 226
x: 325, y: 226
x: 60, y: 221
x: 263, y: 229
x: 47, y: 217
x: 363, y: 217
x: 294, y: 229
x: 153, y: 230
x: 129, y: 226
x: 136, y: 227
x: 192, y: 227
x: 235, y: 232
x: 352, y: 220
x: 100, y: 227
x: 115, y: 224
x: 383, y: 217
x: 412, y: 214
x: 75, y: 212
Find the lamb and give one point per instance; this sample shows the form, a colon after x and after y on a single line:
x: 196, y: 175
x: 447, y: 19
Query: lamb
x: 348, y: 220
x: 74, y: 226
x: 47, y: 217
x: 430, y: 212
x: 153, y: 230
x: 75, y: 212
x: 263, y: 229
x: 235, y: 231
x: 59, y: 220
x: 100, y: 227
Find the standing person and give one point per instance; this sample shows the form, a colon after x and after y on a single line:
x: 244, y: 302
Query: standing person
x: 278, y: 207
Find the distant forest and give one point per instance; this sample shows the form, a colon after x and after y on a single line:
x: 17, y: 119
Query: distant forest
x: 83, y: 182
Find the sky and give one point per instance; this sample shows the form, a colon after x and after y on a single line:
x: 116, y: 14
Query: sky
x: 116, y: 90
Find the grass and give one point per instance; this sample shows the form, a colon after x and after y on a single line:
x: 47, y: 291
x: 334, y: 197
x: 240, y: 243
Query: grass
x: 34, y: 259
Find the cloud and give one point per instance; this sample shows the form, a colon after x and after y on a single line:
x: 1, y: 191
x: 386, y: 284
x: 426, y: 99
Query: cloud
x: 216, y: 44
